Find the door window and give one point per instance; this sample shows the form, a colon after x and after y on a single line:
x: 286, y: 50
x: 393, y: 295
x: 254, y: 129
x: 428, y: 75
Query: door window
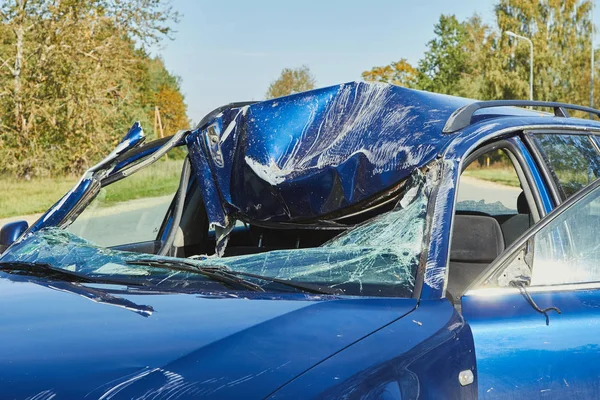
x: 565, y: 251
x: 492, y: 211
x: 573, y: 160
x: 489, y: 185
x: 133, y: 209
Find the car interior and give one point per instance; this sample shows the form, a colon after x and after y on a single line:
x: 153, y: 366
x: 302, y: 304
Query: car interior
x: 478, y: 238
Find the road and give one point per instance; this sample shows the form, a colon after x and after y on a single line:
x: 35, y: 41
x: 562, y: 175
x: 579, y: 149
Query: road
x: 478, y: 189
x: 127, y: 222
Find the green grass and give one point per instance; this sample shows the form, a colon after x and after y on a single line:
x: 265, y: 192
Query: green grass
x: 162, y: 178
x: 502, y: 176
x: 20, y: 197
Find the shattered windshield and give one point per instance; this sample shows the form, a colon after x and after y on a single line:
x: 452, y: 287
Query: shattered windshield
x: 377, y: 257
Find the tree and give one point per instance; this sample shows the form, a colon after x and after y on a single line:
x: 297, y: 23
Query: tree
x: 478, y: 48
x: 446, y: 57
x: 172, y: 109
x: 560, y: 32
x: 291, y: 81
x: 399, y: 73
x: 70, y: 74
x: 474, y: 60
x: 159, y: 88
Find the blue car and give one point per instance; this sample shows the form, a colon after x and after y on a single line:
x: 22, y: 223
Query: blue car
x: 357, y: 241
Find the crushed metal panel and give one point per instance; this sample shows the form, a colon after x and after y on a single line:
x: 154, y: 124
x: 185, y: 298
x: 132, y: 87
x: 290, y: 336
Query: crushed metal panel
x: 307, y: 155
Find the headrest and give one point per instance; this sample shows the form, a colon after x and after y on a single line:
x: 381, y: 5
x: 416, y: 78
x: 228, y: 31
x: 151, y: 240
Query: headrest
x: 476, y: 238
x: 522, y: 205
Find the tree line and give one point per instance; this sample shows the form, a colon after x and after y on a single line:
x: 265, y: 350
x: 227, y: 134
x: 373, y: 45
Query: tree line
x: 74, y: 75
x: 472, y: 59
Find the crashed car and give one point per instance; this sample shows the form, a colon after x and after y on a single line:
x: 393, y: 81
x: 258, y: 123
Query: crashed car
x: 329, y: 244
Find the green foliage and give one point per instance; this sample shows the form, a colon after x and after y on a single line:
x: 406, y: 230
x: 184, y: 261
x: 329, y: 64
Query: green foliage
x: 446, y: 57
x: 25, y: 197
x: 399, y: 73
x: 502, y: 176
x: 560, y: 32
x: 470, y: 59
x: 291, y: 81
x: 162, y: 178
x: 73, y: 79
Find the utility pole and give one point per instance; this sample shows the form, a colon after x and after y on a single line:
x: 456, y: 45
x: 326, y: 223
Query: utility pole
x: 158, y: 123
x: 512, y: 34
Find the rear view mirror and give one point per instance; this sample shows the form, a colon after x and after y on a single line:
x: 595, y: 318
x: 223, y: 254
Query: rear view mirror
x: 11, y: 232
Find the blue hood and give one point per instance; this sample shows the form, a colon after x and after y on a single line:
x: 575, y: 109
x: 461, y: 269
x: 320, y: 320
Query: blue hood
x: 219, y: 345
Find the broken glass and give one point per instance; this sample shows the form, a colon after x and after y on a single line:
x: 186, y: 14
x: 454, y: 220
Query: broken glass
x: 378, y: 256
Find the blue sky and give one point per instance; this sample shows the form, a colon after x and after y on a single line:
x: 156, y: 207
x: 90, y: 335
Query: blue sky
x: 231, y: 51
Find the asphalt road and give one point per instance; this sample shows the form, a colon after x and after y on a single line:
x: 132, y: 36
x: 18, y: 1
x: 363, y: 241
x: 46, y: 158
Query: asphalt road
x: 477, y: 189
x: 128, y: 222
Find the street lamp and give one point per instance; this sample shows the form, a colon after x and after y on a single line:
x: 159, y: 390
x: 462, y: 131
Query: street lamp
x: 512, y: 34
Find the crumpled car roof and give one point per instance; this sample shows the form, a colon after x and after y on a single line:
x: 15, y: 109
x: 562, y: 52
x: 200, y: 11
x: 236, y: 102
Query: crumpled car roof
x: 314, y: 155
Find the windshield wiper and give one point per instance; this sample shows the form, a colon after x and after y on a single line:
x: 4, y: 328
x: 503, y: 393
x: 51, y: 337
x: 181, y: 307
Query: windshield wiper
x: 223, y: 271
x: 218, y: 274
x: 43, y: 270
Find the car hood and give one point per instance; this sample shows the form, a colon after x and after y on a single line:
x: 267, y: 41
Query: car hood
x: 125, y: 344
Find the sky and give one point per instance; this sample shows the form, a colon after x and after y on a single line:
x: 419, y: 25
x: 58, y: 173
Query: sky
x: 232, y: 50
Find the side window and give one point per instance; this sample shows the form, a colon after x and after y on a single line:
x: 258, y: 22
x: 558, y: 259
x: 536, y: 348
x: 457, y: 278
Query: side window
x: 564, y: 251
x: 492, y: 211
x: 132, y: 209
x: 490, y: 185
x: 573, y: 160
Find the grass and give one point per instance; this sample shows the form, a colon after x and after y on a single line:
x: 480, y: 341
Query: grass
x: 503, y: 176
x: 162, y: 178
x: 20, y: 197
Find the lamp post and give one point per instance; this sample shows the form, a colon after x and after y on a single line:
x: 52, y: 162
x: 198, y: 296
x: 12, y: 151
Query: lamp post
x: 512, y: 34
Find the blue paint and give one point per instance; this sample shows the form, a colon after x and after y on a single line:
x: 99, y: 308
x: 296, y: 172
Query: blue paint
x: 135, y: 136
x: 10, y: 232
x: 419, y: 355
x: 557, y: 361
x: 224, y: 347
x: 314, y: 153
x: 542, y: 189
x: 57, y: 213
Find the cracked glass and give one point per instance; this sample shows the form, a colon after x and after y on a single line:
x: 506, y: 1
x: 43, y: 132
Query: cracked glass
x: 377, y: 257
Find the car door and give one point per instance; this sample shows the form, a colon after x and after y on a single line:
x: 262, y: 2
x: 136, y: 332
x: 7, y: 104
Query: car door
x: 535, y: 312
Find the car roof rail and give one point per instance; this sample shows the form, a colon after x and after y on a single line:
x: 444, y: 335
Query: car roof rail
x: 208, y: 117
x: 461, y: 118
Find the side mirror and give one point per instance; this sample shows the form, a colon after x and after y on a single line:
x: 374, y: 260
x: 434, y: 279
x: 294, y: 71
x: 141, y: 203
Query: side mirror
x: 11, y: 232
